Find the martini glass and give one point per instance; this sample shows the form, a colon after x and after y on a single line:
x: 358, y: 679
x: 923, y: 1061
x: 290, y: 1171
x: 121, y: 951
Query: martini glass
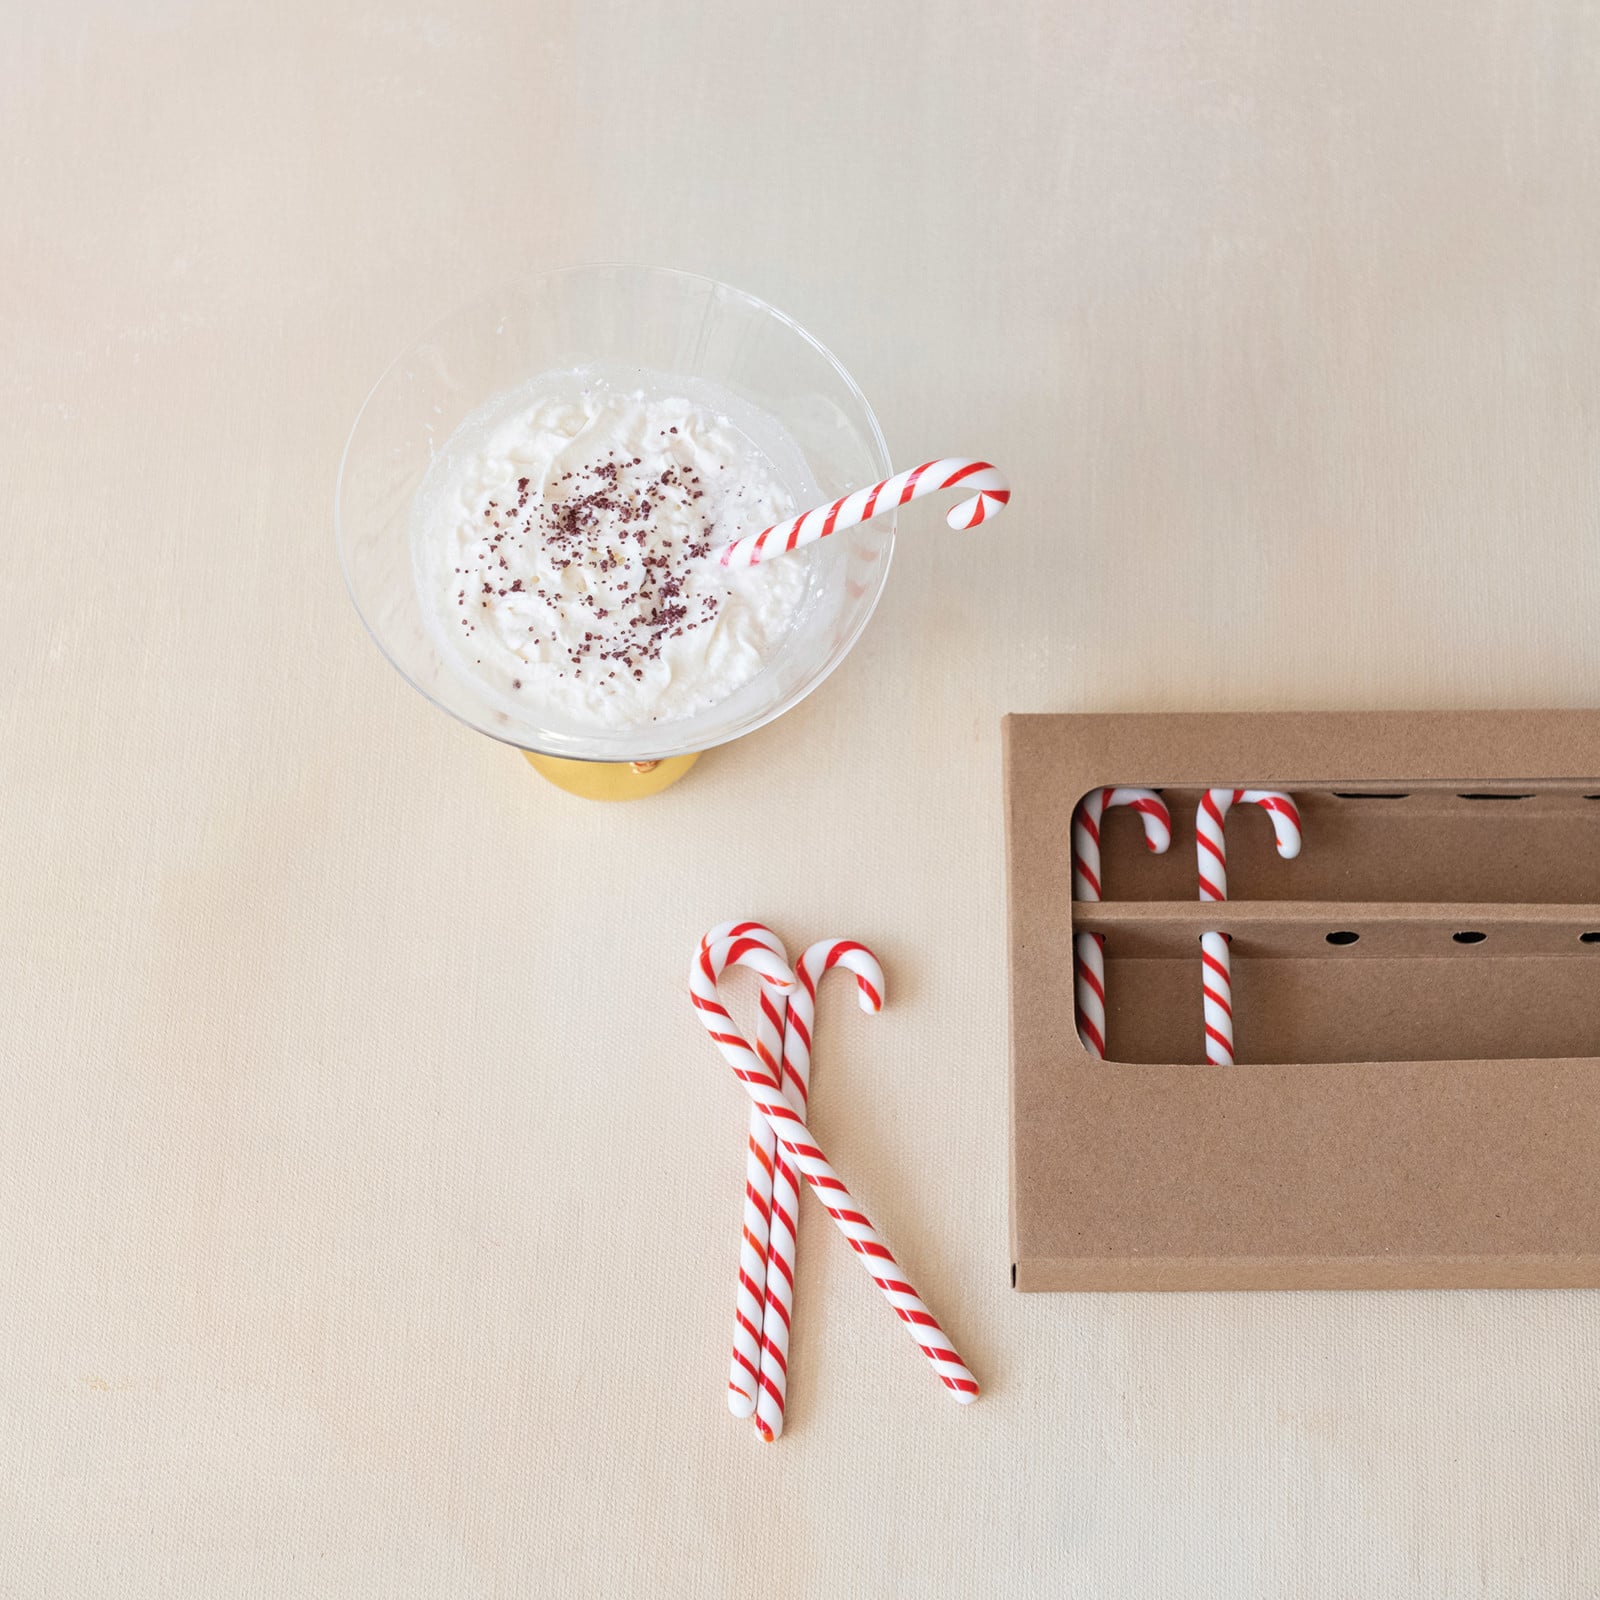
x: 661, y: 323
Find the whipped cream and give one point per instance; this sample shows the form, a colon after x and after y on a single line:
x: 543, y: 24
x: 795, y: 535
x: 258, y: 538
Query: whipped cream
x: 566, y: 542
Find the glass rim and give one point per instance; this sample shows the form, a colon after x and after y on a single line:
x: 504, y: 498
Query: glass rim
x: 648, y: 752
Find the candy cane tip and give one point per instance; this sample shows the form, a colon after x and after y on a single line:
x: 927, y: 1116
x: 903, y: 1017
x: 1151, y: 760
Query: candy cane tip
x: 970, y: 513
x: 740, y: 1403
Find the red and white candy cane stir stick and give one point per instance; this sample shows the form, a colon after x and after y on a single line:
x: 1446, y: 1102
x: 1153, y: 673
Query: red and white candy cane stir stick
x: 818, y: 959
x: 744, y: 1364
x: 775, y: 1103
x: 992, y: 491
x: 1211, y: 842
x: 1088, y: 949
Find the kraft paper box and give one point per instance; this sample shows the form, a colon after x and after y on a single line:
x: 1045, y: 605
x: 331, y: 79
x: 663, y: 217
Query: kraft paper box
x: 1414, y: 1106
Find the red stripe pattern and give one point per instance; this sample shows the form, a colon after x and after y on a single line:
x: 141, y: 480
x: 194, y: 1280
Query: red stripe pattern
x: 988, y: 489
x: 744, y: 1364
x: 1211, y: 845
x: 779, y: 1106
x: 1088, y: 949
x: 817, y: 960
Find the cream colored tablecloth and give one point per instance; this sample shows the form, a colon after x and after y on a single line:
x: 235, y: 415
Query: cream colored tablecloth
x: 367, y: 1191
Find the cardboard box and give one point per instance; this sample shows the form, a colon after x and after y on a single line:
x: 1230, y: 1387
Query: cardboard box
x: 1410, y: 1108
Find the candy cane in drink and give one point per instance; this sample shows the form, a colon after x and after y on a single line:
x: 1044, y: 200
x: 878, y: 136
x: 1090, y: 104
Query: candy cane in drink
x: 817, y: 960
x: 1088, y: 949
x: 1211, y: 843
x: 775, y: 1103
x: 744, y: 1364
x: 988, y: 489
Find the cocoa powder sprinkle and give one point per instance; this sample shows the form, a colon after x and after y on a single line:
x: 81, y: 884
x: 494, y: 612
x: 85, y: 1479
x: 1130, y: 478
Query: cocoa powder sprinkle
x: 594, y: 516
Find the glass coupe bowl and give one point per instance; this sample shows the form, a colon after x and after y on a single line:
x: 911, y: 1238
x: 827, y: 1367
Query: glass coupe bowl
x: 663, y: 323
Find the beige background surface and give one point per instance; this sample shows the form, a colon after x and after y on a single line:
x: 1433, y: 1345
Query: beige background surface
x: 341, y: 1251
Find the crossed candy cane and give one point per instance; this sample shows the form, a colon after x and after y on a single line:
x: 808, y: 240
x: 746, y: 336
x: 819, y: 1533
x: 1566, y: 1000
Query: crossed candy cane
x: 781, y: 1109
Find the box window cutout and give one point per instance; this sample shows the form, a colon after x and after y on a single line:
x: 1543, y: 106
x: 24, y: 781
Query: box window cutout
x: 1423, y: 922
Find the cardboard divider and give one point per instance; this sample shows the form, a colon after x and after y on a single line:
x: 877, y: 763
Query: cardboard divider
x: 1417, y: 1016
x: 1345, y: 930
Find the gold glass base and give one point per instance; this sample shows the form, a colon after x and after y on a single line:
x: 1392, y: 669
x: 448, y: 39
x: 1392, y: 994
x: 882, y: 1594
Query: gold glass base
x: 610, y: 780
